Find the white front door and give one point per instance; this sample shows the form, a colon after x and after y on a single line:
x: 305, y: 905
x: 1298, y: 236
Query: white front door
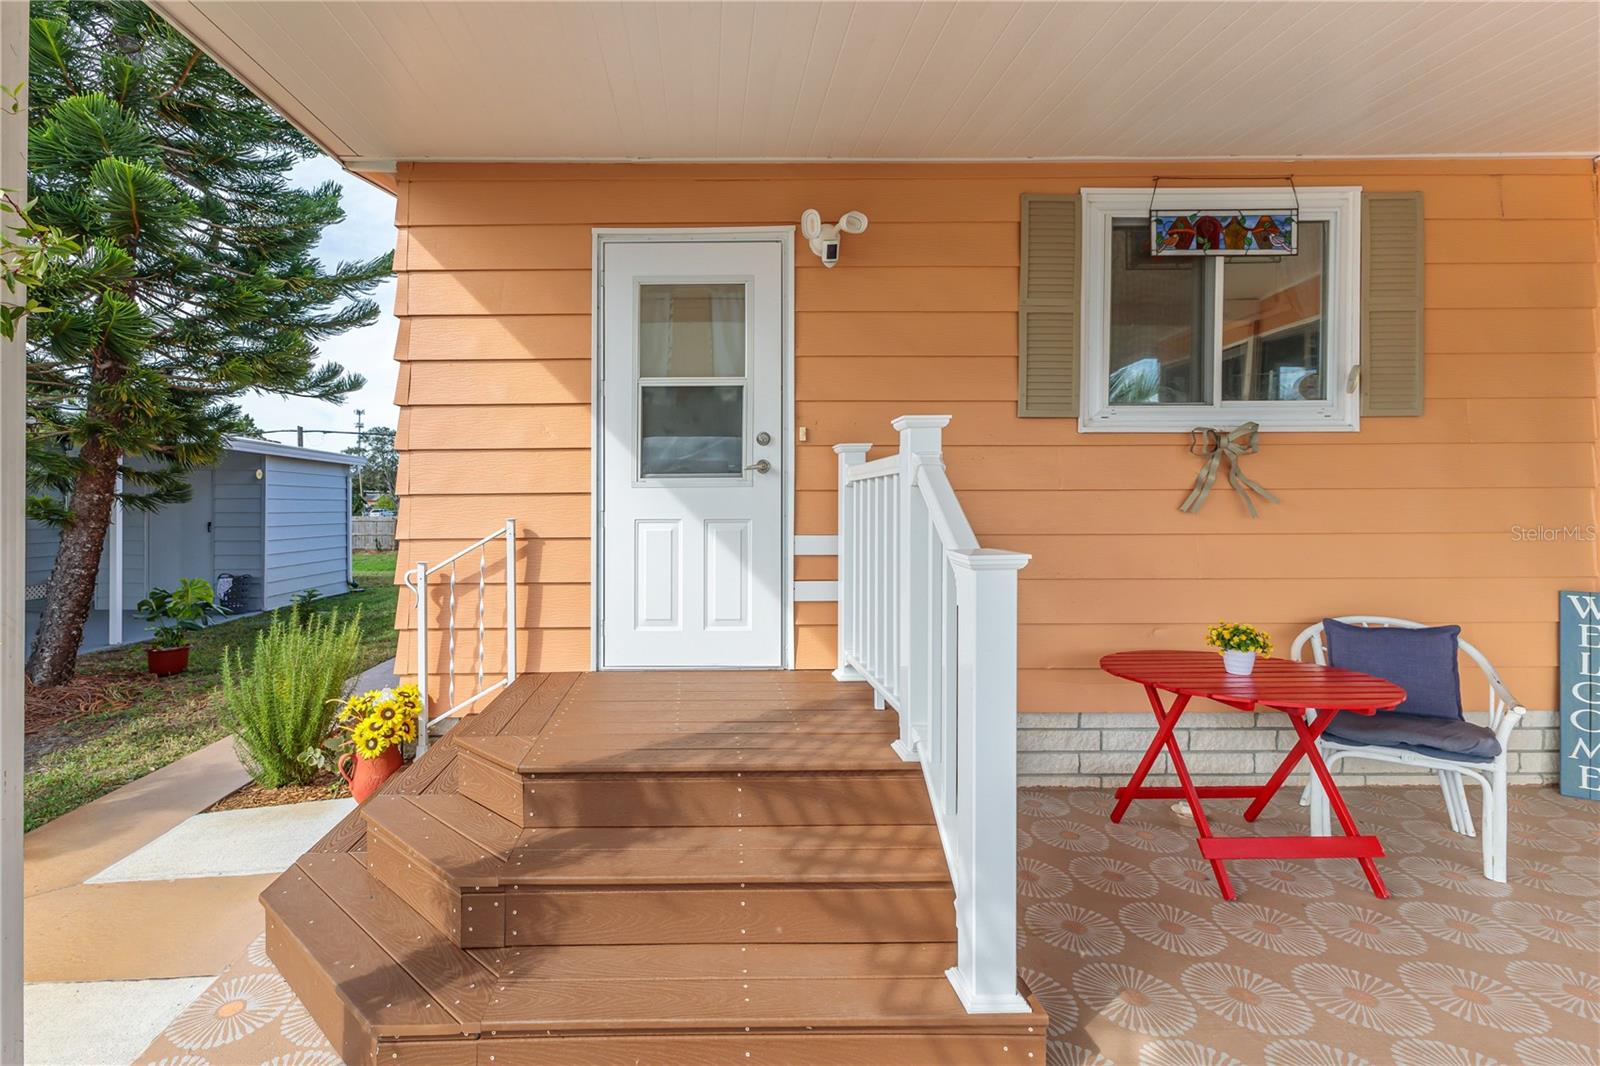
x: 691, y: 508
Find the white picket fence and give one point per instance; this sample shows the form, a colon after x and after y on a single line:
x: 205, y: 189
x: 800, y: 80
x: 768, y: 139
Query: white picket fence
x: 473, y: 583
x: 929, y: 619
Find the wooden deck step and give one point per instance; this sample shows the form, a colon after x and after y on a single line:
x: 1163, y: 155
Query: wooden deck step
x: 334, y: 920
x: 752, y: 780
x: 680, y: 869
x: 485, y: 883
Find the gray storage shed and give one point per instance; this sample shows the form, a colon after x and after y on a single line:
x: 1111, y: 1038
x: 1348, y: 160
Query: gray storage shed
x: 264, y: 523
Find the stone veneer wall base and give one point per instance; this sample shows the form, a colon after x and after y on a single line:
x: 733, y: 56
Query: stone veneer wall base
x: 1228, y: 747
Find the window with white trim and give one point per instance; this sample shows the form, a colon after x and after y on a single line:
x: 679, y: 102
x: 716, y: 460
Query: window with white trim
x: 1175, y: 342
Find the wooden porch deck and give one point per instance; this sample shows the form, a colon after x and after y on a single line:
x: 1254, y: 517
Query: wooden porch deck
x: 642, y: 868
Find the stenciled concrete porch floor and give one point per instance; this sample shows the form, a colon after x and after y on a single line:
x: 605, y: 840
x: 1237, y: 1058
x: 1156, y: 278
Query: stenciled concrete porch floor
x: 1140, y: 963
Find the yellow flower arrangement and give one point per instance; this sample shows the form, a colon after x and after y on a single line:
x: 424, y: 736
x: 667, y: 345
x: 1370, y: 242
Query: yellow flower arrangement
x: 1236, y: 636
x: 378, y: 720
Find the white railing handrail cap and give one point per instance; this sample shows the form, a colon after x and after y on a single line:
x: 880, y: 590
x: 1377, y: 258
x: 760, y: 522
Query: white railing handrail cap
x: 905, y: 422
x: 848, y: 449
x: 987, y: 559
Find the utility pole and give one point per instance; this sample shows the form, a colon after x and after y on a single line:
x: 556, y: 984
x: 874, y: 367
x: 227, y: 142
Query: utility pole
x: 299, y: 436
x: 361, y: 450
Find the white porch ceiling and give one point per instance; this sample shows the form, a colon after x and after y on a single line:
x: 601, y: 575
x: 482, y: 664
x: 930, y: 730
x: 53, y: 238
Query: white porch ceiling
x: 382, y: 80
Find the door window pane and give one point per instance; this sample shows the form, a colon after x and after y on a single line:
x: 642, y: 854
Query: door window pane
x: 691, y: 331
x: 691, y: 430
x: 1272, y: 323
x: 1158, y: 339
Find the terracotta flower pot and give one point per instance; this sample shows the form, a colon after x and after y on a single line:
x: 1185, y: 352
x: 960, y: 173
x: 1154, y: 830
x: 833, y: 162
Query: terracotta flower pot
x: 369, y: 774
x: 164, y: 662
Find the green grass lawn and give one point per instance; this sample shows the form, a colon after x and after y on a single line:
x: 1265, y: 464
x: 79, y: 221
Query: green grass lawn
x: 140, y: 723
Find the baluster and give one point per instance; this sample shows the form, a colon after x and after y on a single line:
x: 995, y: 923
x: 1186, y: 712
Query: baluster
x: 849, y: 537
x: 421, y: 573
x: 482, y: 552
x: 950, y: 738
x: 451, y: 659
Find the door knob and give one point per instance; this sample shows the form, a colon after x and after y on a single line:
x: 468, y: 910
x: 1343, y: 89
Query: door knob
x: 760, y: 466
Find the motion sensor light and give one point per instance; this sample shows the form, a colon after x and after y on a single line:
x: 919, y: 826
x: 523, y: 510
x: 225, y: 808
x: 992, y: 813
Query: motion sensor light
x: 825, y: 238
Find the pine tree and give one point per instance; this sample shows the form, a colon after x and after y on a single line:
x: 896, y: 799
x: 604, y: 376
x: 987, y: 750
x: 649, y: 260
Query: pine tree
x: 194, y: 282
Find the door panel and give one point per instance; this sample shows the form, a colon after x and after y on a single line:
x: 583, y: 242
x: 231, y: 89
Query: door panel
x: 691, y: 530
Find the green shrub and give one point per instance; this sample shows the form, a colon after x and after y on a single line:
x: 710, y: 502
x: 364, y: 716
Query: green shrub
x: 279, y: 709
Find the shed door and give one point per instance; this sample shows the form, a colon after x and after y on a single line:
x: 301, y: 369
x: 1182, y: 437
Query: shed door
x: 691, y: 496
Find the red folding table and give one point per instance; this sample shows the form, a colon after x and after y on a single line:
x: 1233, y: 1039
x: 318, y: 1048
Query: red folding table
x: 1276, y: 685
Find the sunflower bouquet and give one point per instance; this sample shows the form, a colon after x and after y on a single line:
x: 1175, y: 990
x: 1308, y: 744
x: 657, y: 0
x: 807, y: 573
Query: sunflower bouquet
x: 378, y: 720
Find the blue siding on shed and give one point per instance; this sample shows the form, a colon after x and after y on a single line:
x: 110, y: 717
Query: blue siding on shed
x: 307, y: 528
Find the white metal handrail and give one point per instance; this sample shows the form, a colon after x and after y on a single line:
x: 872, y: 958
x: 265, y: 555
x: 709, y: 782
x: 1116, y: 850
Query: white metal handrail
x: 416, y: 580
x: 928, y: 618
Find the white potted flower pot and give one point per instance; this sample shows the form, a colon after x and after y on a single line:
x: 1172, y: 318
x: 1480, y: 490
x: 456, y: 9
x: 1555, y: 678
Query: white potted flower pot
x: 1239, y: 662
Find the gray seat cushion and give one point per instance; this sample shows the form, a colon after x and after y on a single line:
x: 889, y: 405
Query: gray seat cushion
x: 1443, y: 738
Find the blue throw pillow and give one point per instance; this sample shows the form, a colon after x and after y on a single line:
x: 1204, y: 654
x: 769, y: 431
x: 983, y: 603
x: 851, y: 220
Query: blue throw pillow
x: 1422, y: 661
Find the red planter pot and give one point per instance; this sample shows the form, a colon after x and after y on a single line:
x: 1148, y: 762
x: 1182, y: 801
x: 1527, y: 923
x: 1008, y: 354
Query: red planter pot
x: 368, y: 775
x: 164, y: 662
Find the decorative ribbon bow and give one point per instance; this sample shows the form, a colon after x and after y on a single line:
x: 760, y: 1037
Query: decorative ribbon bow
x: 1213, y: 444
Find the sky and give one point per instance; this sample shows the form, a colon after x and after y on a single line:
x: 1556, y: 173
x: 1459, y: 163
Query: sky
x: 368, y: 230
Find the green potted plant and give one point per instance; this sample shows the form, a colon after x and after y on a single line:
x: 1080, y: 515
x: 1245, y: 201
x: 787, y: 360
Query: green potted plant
x: 174, y: 616
x: 1239, y: 644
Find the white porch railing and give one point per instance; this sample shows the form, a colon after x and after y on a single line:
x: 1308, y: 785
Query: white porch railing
x: 929, y: 620
x: 417, y: 581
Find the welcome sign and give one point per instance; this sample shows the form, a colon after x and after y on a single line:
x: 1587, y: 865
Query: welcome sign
x: 1580, y: 695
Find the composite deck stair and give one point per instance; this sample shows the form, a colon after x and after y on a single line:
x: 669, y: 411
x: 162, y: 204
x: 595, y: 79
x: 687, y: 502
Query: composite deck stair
x: 641, y: 869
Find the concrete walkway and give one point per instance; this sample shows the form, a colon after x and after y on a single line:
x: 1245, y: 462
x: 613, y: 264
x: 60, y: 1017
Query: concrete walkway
x: 137, y: 901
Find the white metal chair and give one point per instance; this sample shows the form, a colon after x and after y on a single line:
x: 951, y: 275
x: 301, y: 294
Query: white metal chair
x: 1504, y: 715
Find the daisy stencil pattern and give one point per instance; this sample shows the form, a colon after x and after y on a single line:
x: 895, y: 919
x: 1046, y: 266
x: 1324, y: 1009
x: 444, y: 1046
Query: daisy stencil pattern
x: 1292, y: 878
x: 1183, y: 1053
x: 1559, y: 986
x: 1437, y: 1053
x: 306, y: 1058
x: 1147, y: 837
x: 1133, y: 999
x: 1061, y: 1053
x: 1548, y: 923
x: 1267, y: 927
x: 1113, y: 876
x: 1172, y: 929
x: 1365, y: 928
x: 1080, y: 931
x: 1581, y: 830
x: 1246, y: 998
x: 1069, y: 836
x: 1039, y: 880
x: 299, y: 1028
x: 1453, y: 875
x: 1539, y: 838
x: 1400, y: 884
x: 229, y: 1010
x: 1557, y: 879
x: 1552, y: 1051
x: 1054, y: 997
x: 1474, y: 997
x: 1309, y: 1053
x: 1362, y: 999
x: 1455, y: 925
x: 1037, y: 803
x: 1191, y: 875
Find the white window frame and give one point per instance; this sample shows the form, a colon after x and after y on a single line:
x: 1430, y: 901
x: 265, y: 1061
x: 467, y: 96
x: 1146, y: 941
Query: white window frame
x: 1339, y: 206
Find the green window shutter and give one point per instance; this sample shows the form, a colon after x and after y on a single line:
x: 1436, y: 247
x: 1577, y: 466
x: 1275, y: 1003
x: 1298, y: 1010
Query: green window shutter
x: 1047, y: 308
x: 1391, y: 303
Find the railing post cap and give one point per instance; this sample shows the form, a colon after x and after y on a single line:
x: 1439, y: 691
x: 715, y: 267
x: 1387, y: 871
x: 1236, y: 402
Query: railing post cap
x: 851, y: 449
x: 987, y: 559
x: 905, y: 422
